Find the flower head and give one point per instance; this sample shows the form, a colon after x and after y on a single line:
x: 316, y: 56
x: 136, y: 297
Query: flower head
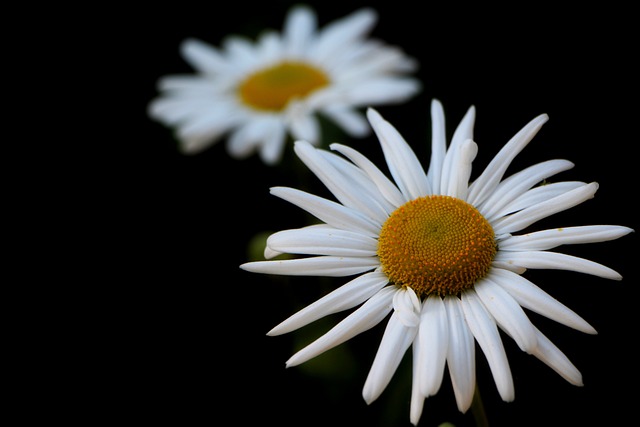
x: 440, y: 255
x: 258, y: 93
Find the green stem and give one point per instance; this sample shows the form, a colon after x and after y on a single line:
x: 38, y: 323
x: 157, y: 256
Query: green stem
x: 477, y: 409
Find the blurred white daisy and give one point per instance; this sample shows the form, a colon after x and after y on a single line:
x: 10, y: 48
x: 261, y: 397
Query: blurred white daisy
x: 259, y: 93
x: 440, y: 254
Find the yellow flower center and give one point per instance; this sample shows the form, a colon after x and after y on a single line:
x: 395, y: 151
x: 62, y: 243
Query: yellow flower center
x: 436, y: 245
x: 271, y: 89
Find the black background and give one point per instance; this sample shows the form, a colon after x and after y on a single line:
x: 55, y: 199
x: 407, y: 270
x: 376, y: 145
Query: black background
x: 194, y: 349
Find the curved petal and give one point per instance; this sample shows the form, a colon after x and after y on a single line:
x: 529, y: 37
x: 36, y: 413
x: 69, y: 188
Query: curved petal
x: 330, y: 212
x: 402, y: 161
x: 345, y: 297
x: 512, y: 187
x: 551, y: 355
x: 460, y: 355
x: 438, y: 145
x: 532, y: 214
x: 488, y: 180
x: 314, y: 240
x: 549, y: 239
x: 530, y: 296
x: 330, y: 266
x: 396, y: 340
x: 507, y: 313
x: 557, y: 261
x: 364, y: 318
x: 433, y: 344
x: 299, y: 27
x: 486, y: 332
x: 384, y: 184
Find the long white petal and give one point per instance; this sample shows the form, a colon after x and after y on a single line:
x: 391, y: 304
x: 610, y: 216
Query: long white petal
x: 486, y: 332
x: 460, y: 355
x: 530, y: 215
x: 332, y: 213
x: 323, y: 241
x: 202, y: 56
x: 351, y: 121
x: 434, y: 345
x: 438, y: 145
x: 549, y: 239
x: 491, y: 176
x: 396, y: 340
x: 530, y: 296
x: 299, y: 27
x: 449, y: 173
x: 536, y: 196
x: 331, y: 266
x: 345, y: 297
x: 338, y: 184
x: 342, y: 32
x: 384, y: 184
x: 461, y: 170
x: 557, y: 261
x: 364, y: 318
x: 507, y: 313
x: 362, y: 184
x: 551, y: 355
x: 402, y: 161
x: 417, y: 397
x: 512, y: 187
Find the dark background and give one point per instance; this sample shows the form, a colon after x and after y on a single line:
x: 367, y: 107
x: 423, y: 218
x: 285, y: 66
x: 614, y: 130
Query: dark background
x: 194, y: 349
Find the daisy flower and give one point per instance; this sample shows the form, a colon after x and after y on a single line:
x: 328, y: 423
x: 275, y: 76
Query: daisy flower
x: 259, y: 93
x: 438, y: 256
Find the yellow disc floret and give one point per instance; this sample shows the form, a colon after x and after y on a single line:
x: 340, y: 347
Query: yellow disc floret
x: 436, y: 245
x: 272, y: 88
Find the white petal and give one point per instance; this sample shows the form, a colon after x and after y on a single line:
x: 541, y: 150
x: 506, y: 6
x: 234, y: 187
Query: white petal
x: 384, y: 185
x: 536, y: 196
x: 364, y: 318
x: 530, y: 215
x: 303, y: 124
x: 396, y: 340
x: 530, y: 296
x: 351, y: 121
x: 323, y: 241
x: 557, y: 261
x: 548, y: 353
x: 298, y: 29
x: 244, y: 140
x: 549, y: 239
x: 273, y: 143
x: 515, y: 185
x: 402, y: 161
x: 345, y: 297
x: 458, y: 181
x: 202, y: 56
x: 332, y: 213
x: 434, y: 343
x: 507, y: 313
x: 485, y: 331
x: 381, y: 90
x: 342, y: 32
x: 460, y: 355
x: 362, y: 184
x: 407, y: 307
x: 491, y: 176
x: 417, y: 397
x: 438, y: 145
x: 339, y: 185
x: 331, y: 266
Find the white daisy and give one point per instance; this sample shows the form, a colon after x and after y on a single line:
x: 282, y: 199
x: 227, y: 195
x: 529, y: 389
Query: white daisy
x: 439, y: 254
x: 259, y: 93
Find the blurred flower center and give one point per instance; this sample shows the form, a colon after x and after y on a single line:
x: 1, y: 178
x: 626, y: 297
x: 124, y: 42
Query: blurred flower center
x: 436, y: 245
x: 272, y: 88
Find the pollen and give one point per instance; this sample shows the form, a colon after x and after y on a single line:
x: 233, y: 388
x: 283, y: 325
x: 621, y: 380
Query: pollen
x: 271, y: 89
x: 436, y: 245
